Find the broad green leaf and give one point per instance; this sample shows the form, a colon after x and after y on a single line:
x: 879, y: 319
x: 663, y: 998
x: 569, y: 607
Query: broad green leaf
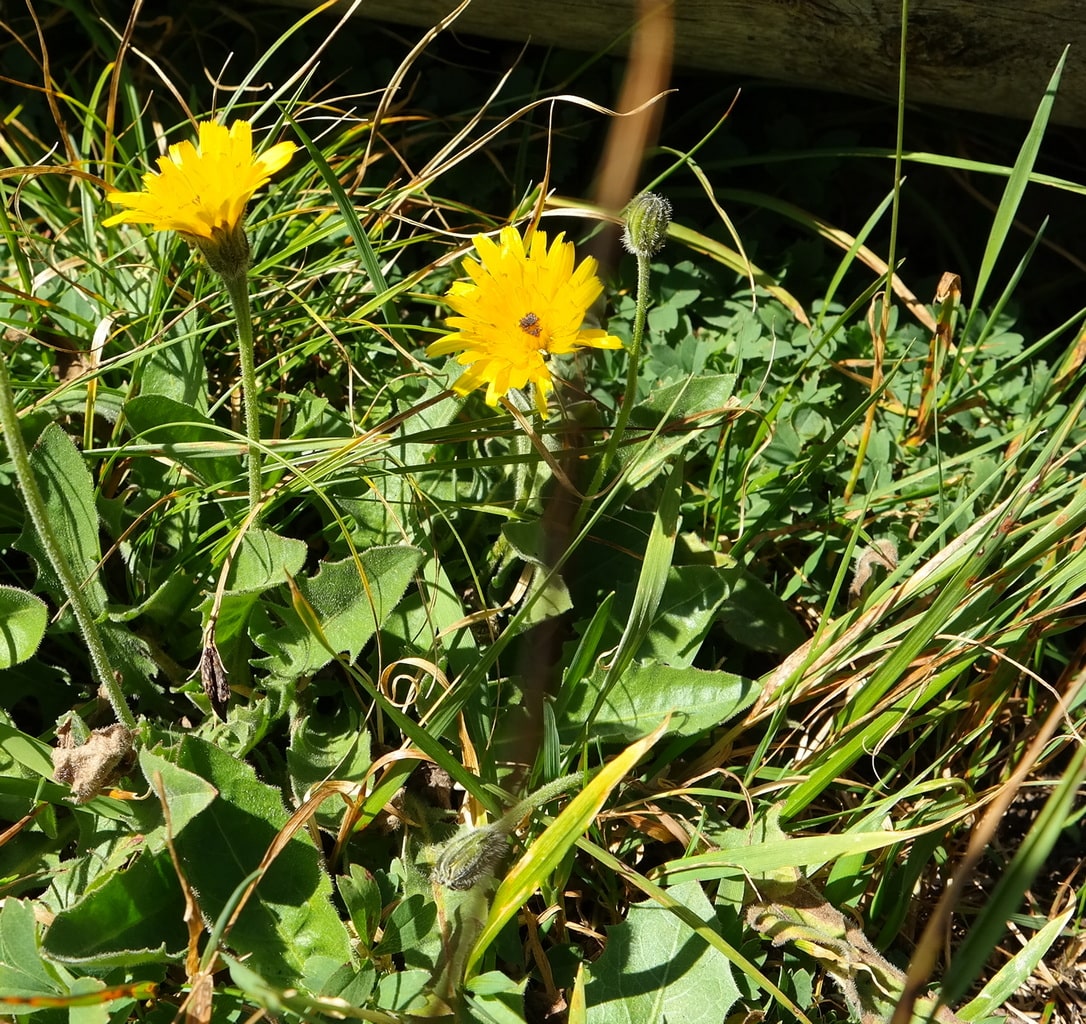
x: 290, y: 917
x: 350, y: 601
x: 185, y: 794
x: 362, y: 897
x: 756, y: 617
x: 234, y: 613
x: 654, y: 968
x: 547, y: 594
x: 264, y: 560
x: 68, y: 492
x: 133, y: 917
x: 349, y: 982
x: 497, y: 998
x: 421, y: 621
x: 28, y: 751
x: 410, y: 923
x: 679, y: 411
x: 22, y: 970
x: 697, y: 700
x: 166, y: 423
x: 413, y: 446
x: 173, y: 600
x: 109, y: 849
x: 175, y: 368
x: 686, y: 399
x: 692, y: 598
x: 403, y: 992
x: 548, y: 849
x: 23, y: 618
x: 131, y: 656
x: 329, y: 740
x: 710, y: 935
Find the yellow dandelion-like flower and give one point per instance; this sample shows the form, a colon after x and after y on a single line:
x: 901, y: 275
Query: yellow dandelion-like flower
x: 520, y: 307
x: 202, y: 191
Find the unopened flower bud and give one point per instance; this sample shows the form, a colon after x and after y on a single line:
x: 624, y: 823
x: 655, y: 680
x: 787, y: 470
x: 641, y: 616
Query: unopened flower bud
x: 647, y: 218
x: 471, y: 857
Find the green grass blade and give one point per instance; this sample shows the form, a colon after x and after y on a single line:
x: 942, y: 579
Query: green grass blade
x: 1016, y: 972
x: 1016, y: 187
x: 531, y: 871
x: 650, y: 587
x: 358, y: 233
x: 1002, y: 901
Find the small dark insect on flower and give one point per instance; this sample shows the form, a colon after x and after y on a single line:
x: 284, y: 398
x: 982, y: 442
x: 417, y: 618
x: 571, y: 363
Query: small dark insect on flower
x: 529, y: 324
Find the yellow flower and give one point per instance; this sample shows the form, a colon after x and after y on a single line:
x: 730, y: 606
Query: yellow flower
x: 520, y: 307
x: 202, y: 191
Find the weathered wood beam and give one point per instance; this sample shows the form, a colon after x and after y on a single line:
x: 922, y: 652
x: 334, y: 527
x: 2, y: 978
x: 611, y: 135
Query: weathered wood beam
x: 994, y: 56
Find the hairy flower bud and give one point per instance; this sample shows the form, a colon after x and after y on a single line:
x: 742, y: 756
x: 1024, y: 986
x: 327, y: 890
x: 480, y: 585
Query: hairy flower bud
x: 647, y: 218
x: 471, y: 857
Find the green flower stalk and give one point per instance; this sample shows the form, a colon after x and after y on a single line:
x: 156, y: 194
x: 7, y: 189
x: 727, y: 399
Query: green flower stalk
x: 646, y: 221
x: 201, y: 193
x: 647, y: 218
x: 237, y: 289
x: 39, y: 517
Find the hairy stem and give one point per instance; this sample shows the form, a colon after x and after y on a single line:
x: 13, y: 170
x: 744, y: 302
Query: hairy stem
x: 630, y: 395
x: 35, y: 506
x: 237, y: 289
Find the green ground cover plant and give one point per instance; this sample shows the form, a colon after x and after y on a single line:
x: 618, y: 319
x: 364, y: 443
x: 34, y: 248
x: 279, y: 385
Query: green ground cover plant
x: 405, y: 614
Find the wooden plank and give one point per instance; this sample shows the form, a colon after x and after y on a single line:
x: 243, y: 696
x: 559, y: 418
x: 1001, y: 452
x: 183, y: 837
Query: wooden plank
x: 994, y: 56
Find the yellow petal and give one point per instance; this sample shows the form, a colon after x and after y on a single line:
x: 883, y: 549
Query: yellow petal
x: 520, y: 305
x: 201, y: 191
